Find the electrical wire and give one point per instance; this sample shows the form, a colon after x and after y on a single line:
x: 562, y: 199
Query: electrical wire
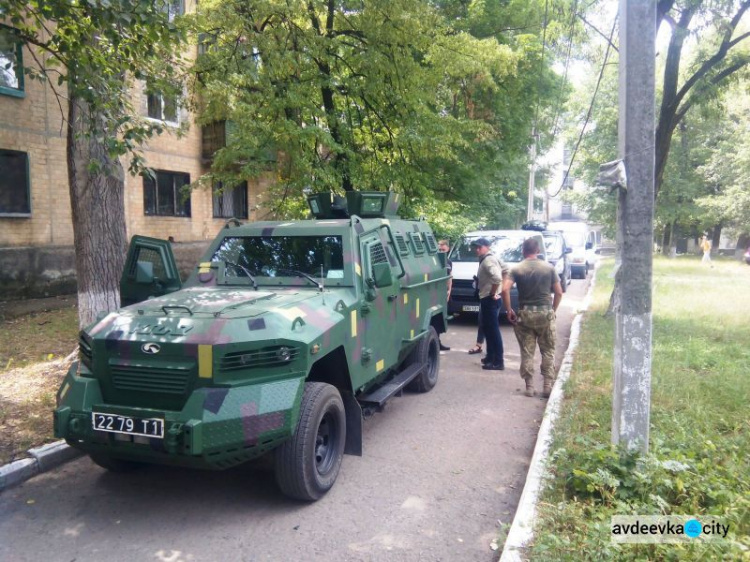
x: 567, y: 64
x: 591, y: 109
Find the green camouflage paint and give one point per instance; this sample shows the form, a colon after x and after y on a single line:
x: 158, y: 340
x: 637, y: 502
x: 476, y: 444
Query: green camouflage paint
x: 229, y: 372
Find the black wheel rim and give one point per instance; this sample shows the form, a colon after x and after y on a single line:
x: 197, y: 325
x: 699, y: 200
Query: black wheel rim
x: 326, y: 443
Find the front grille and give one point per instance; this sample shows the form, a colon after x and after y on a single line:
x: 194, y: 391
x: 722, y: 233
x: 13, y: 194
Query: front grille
x: 172, y: 379
x: 463, y: 283
x: 274, y: 356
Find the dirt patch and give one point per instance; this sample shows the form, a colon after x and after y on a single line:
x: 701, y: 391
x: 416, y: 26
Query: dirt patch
x: 27, y: 398
x: 38, y: 340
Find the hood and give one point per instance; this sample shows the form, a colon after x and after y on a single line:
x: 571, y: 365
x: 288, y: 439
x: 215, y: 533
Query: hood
x: 218, y: 302
x: 221, y: 315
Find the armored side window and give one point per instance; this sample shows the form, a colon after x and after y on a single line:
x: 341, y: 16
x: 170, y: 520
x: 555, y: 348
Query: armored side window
x: 403, y: 249
x: 416, y: 241
x: 431, y: 243
x: 149, y: 256
x: 377, y: 255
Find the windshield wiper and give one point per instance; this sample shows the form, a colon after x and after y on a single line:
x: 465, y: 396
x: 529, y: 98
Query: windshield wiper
x: 245, y: 270
x: 297, y: 273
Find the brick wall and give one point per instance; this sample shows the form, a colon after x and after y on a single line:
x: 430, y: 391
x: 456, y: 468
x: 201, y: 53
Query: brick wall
x: 34, y: 124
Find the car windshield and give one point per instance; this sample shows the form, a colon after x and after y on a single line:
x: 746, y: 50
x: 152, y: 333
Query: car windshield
x: 282, y: 256
x: 506, y: 247
x: 509, y: 248
x: 463, y: 252
x: 553, y: 244
x: 575, y: 239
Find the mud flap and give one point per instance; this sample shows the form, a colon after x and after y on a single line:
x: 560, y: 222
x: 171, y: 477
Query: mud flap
x: 353, y: 445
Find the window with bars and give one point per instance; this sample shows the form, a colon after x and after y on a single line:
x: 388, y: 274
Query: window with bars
x: 15, y: 198
x: 11, y: 63
x: 164, y: 196
x: 230, y: 203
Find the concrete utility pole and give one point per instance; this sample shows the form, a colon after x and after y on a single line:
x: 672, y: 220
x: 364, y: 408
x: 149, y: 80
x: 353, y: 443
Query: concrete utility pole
x: 532, y: 174
x: 635, y: 226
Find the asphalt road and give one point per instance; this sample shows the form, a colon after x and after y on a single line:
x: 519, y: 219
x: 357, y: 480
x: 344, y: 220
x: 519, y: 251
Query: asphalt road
x: 440, y: 472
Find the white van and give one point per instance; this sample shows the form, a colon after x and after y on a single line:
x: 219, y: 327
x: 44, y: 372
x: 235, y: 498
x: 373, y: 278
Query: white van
x: 506, y: 244
x: 585, y: 244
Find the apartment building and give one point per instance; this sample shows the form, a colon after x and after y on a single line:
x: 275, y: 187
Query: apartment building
x: 36, y: 231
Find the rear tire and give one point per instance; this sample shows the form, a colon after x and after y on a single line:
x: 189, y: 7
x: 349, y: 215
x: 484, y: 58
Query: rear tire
x: 307, y: 465
x: 427, y: 353
x: 114, y: 465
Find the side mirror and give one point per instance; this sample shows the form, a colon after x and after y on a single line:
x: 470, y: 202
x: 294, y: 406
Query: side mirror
x: 568, y: 250
x: 144, y: 272
x: 382, y: 275
x: 589, y: 245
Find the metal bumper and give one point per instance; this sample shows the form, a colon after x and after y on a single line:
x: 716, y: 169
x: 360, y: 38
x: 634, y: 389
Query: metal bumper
x: 218, y: 427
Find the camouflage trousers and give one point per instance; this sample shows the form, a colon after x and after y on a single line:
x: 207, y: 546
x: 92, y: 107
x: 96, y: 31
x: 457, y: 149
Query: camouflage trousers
x: 532, y: 327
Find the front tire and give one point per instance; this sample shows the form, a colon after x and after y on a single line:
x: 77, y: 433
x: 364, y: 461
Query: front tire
x: 564, y: 283
x: 427, y: 353
x: 307, y: 465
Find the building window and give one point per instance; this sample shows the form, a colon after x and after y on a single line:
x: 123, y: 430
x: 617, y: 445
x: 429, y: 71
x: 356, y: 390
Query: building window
x: 172, y: 8
x: 165, y: 196
x: 11, y: 63
x: 163, y: 108
x: 15, y: 199
x: 231, y: 203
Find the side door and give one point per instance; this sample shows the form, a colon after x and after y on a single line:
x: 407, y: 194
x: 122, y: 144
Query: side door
x: 150, y: 270
x: 382, y: 330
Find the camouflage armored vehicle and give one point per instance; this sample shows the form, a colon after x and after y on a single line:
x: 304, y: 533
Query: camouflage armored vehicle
x: 282, y: 337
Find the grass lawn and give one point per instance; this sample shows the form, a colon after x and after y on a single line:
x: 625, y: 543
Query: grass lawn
x: 699, y: 459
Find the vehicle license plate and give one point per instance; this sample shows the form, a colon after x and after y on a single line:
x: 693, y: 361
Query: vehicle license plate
x: 113, y: 423
x: 470, y: 308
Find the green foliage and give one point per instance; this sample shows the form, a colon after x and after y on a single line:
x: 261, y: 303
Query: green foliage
x: 96, y: 49
x: 428, y: 99
x: 697, y: 464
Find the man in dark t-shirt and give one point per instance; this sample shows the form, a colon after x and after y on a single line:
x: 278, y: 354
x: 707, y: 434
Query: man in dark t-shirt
x: 535, y: 321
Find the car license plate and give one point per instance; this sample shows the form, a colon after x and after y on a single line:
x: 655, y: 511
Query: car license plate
x: 470, y: 308
x: 113, y: 423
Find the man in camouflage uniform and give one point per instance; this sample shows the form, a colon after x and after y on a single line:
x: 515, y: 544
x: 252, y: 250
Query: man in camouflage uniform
x: 535, y: 321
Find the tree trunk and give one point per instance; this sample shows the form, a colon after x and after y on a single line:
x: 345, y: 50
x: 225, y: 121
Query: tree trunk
x: 716, y: 239
x: 97, y: 188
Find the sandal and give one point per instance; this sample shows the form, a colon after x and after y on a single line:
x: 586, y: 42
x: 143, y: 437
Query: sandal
x: 476, y: 349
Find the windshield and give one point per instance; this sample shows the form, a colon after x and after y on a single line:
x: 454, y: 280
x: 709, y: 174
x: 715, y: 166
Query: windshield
x: 553, y: 244
x: 575, y: 239
x: 282, y: 256
x: 509, y: 248
x: 506, y: 247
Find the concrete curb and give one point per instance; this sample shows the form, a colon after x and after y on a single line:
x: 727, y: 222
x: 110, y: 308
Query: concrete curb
x: 522, y: 529
x: 42, y: 459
